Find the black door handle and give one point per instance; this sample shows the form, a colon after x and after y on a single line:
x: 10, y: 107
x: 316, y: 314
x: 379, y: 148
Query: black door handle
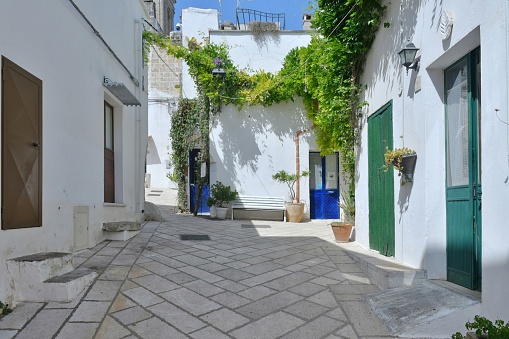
x: 36, y: 145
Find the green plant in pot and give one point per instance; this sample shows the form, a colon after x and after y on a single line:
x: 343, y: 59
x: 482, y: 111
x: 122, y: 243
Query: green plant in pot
x: 211, y: 203
x: 347, y: 204
x: 295, y: 209
x: 221, y: 196
x: 403, y: 160
x: 343, y: 229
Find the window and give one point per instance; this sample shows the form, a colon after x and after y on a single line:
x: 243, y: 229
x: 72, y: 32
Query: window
x: 109, y: 155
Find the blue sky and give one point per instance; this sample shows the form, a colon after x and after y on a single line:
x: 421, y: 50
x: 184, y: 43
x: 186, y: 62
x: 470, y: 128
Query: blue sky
x: 293, y: 9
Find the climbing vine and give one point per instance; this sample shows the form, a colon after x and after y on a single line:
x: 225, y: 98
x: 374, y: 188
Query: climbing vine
x: 184, y: 136
x: 326, y: 73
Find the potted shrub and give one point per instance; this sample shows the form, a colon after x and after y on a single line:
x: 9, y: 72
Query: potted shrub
x: 211, y: 203
x: 294, y: 209
x: 403, y: 160
x: 222, y: 196
x: 343, y: 229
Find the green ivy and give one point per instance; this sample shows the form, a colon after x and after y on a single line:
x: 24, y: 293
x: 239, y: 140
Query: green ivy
x: 183, y: 137
x: 484, y: 328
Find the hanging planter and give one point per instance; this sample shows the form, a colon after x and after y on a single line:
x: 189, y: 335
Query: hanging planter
x: 407, y: 167
x: 403, y: 160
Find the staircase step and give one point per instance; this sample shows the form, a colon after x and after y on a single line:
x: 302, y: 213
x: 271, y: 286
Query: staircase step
x: 119, y: 226
x: 121, y: 230
x: 40, y: 266
x: 65, y: 287
x: 45, y: 277
x: 69, y: 276
x: 384, y: 271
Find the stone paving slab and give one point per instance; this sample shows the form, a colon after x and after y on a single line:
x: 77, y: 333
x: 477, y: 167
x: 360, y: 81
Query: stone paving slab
x: 289, y: 281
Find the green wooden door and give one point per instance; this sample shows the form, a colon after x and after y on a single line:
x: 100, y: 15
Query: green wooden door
x: 381, y: 184
x: 463, y: 182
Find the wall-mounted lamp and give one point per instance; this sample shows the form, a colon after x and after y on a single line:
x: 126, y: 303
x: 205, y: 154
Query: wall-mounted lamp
x: 407, y: 55
x: 219, y: 72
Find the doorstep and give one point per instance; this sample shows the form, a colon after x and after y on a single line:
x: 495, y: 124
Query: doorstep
x: 384, y: 271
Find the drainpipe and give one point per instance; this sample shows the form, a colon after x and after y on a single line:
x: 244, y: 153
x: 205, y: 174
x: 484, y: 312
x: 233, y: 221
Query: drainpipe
x: 507, y: 73
x: 297, y: 162
x: 297, y: 166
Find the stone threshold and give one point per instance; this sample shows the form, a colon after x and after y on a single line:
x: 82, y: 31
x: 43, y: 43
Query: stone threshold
x: 386, y: 272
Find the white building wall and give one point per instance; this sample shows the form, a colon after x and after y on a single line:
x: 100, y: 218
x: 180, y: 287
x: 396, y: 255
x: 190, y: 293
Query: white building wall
x: 164, y: 87
x: 249, y: 146
x: 418, y: 123
x: 54, y: 43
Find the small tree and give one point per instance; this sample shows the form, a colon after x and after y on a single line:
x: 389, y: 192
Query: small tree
x: 290, y: 180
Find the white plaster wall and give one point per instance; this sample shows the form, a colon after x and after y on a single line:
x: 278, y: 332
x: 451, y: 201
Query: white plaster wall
x: 159, y: 125
x: 54, y: 43
x: 418, y: 123
x: 249, y: 146
x: 268, y: 53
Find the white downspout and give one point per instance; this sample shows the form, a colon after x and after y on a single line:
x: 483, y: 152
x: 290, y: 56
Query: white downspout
x: 507, y: 78
x: 139, y: 171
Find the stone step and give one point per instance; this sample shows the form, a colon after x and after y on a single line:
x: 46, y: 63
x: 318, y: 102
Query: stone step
x: 40, y: 266
x: 66, y: 287
x: 121, y: 230
x: 45, y: 277
x: 384, y: 271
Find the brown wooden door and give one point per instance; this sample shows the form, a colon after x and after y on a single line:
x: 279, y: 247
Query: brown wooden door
x: 109, y: 155
x: 21, y: 148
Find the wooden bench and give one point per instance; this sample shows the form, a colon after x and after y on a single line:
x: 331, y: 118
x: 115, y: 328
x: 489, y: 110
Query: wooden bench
x: 256, y: 203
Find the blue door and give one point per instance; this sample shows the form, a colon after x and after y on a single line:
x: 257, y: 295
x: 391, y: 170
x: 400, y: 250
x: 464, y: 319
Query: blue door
x: 195, y: 174
x: 324, y: 186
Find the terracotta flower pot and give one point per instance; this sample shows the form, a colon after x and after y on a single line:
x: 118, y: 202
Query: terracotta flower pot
x: 294, y: 211
x: 342, y: 231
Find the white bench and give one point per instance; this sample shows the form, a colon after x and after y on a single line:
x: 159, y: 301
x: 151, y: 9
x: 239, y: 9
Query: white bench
x: 254, y: 203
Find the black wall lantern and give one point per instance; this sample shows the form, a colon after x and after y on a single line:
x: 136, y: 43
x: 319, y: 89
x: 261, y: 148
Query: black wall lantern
x: 219, y: 72
x: 407, y: 55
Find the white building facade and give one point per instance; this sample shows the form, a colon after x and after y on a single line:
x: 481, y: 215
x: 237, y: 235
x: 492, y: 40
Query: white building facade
x: 453, y: 111
x: 74, y: 124
x: 248, y: 146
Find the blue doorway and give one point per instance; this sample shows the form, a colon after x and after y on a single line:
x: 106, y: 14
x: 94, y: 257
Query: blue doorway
x: 324, y: 186
x: 195, y: 174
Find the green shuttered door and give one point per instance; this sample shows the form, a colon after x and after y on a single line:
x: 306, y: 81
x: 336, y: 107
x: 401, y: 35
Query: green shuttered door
x: 381, y: 184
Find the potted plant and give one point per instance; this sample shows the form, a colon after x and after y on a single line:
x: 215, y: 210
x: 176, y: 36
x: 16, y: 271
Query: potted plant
x: 294, y: 209
x: 211, y: 203
x: 222, y: 196
x: 343, y: 229
x: 403, y: 160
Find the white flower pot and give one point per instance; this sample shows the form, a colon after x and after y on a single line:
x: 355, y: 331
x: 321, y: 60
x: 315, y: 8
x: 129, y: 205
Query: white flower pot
x: 213, y: 213
x: 221, y: 212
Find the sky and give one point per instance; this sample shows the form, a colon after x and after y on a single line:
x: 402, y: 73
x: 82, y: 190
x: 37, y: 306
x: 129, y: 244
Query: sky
x: 293, y: 9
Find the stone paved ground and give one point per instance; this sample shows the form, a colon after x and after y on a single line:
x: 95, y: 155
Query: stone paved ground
x: 286, y: 281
